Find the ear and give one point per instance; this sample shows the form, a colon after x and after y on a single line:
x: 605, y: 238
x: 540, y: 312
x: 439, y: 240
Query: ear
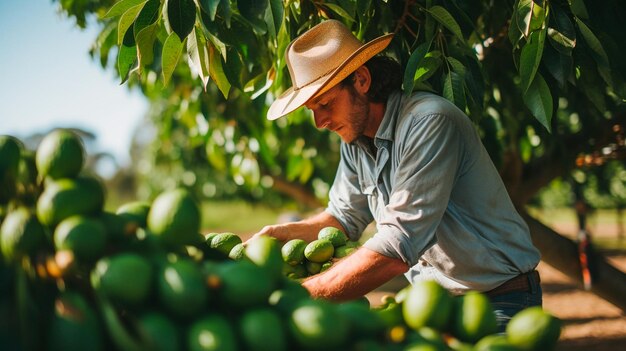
x: 362, y: 79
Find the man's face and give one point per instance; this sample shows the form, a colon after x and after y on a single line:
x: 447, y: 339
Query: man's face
x: 342, y: 110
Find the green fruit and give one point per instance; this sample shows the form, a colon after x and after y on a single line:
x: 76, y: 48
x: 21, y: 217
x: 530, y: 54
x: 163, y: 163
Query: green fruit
x: 294, y: 272
x: 60, y: 155
x: 494, y: 342
x: 10, y: 150
x: 211, y: 333
x: 21, y: 234
x: 293, y: 251
x: 343, y: 251
x: 534, y: 329
x: 74, y: 325
x: 244, y: 284
x: 224, y: 242
x: 182, y: 289
x: 158, y: 332
x: 334, y: 235
x: 238, y: 252
x: 363, y: 321
x: 317, y: 325
x: 319, y: 251
x: 135, y: 212
x: 473, y: 317
x: 174, y: 218
x: 313, y: 267
x: 125, y: 278
x: 287, y: 298
x: 390, y: 313
x: 262, y: 330
x: 427, y: 304
x: 264, y: 251
x: 68, y: 197
x: 84, y: 237
x: 326, y: 266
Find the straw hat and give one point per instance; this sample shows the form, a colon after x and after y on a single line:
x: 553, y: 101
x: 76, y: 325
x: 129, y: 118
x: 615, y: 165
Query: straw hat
x: 319, y: 59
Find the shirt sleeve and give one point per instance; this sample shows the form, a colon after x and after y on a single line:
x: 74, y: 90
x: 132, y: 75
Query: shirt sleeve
x: 428, y: 162
x: 346, y: 201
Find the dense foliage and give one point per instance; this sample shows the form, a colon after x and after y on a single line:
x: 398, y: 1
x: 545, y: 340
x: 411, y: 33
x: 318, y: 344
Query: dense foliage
x: 541, y: 79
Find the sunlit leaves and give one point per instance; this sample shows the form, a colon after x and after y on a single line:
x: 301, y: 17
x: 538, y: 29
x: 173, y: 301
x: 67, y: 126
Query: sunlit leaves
x: 121, y: 7
x: 127, y: 20
x: 216, y: 70
x: 198, y: 52
x: 145, y: 44
x: 126, y: 57
x: 172, y: 49
x: 149, y: 15
x: 414, y: 60
x: 538, y: 99
x: 181, y: 15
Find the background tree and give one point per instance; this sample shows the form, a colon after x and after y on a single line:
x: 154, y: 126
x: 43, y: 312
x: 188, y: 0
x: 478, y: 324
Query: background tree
x: 543, y: 81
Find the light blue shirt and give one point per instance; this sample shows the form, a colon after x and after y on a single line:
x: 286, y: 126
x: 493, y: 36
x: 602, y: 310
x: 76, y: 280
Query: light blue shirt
x: 437, y: 199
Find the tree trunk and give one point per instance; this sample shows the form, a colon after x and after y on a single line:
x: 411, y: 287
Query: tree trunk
x: 561, y: 253
x: 301, y: 194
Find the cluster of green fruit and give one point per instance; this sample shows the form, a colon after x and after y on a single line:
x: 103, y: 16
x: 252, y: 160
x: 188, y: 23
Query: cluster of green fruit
x: 304, y: 259
x: 74, y: 276
x: 424, y: 316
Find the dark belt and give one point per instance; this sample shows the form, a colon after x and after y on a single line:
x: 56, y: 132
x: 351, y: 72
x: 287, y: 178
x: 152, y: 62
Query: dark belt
x: 521, y: 283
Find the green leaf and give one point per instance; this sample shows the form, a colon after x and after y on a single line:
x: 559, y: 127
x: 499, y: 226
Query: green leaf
x: 274, y: 17
x: 538, y: 99
x: 558, y: 64
x: 172, y: 49
x: 121, y: 7
x: 181, y: 15
x: 411, y: 66
x: 530, y: 58
x: 562, y: 33
x: 148, y: 15
x: 252, y: 10
x: 145, y: 44
x: 453, y: 89
x: 126, y: 58
x: 362, y: 7
x: 198, y: 52
x: 340, y: 11
x: 597, y: 51
x: 524, y: 14
x: 428, y: 66
x: 445, y: 18
x: 127, y: 20
x: 579, y: 9
x: 210, y: 7
x: 457, y: 66
x: 216, y: 71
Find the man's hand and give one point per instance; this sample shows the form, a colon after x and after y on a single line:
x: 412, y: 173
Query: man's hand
x: 306, y: 230
x: 355, y: 276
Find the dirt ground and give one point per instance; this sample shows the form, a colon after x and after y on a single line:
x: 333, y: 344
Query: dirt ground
x: 590, y: 323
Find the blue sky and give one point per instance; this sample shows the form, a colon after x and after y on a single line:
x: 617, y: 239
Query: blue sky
x: 48, y: 79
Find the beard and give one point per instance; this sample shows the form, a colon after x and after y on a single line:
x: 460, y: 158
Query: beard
x: 358, y: 117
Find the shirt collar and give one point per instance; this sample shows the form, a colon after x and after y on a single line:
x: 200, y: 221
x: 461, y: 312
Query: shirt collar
x: 388, y: 124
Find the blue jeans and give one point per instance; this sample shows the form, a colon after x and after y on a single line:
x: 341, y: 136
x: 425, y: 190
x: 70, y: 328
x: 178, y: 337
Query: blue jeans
x: 507, y: 305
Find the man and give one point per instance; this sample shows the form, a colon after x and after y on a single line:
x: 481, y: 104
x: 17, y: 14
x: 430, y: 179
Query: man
x: 413, y: 164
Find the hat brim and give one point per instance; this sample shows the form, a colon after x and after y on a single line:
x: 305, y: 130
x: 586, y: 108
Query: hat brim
x: 292, y: 99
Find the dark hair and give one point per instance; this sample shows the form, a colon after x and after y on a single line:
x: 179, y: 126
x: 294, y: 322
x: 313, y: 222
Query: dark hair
x: 386, y: 78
